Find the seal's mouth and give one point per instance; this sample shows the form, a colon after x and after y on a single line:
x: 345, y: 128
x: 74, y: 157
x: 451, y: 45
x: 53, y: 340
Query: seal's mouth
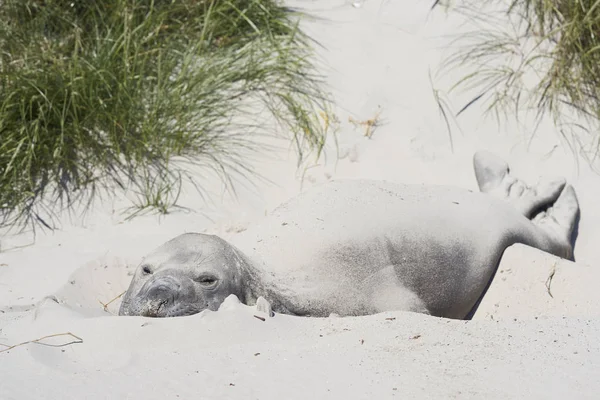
x: 163, y: 309
x: 166, y: 296
x: 155, y: 309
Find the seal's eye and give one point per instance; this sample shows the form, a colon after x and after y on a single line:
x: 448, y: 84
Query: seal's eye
x: 207, y: 280
x: 146, y: 270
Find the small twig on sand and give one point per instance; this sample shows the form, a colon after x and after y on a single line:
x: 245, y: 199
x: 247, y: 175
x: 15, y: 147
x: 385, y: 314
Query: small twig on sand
x: 38, y: 341
x: 105, y: 305
x: 549, y: 280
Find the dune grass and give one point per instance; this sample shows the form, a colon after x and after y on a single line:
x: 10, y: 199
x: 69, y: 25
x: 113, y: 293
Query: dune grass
x: 534, y: 55
x: 104, y: 95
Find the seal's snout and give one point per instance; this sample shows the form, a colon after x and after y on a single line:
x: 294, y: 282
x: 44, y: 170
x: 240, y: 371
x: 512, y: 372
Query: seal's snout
x: 163, y: 284
x: 160, y: 294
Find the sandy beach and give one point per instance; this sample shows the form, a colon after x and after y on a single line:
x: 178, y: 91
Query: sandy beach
x: 534, y: 335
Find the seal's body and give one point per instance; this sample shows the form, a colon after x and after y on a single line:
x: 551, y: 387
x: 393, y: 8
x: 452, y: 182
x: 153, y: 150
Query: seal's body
x: 356, y: 247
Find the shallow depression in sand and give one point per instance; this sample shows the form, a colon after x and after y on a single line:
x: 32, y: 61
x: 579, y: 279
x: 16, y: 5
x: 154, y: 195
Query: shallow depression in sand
x: 96, y: 288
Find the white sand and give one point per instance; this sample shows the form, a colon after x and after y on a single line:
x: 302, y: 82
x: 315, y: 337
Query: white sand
x: 521, y: 344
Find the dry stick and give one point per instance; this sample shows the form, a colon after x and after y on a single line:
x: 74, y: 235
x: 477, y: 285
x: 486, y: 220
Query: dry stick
x: 105, y: 305
x: 549, y: 280
x: 38, y: 341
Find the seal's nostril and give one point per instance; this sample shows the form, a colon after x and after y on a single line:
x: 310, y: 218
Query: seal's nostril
x: 161, y: 293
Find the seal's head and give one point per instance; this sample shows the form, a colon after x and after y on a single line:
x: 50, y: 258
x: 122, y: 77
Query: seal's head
x: 184, y: 276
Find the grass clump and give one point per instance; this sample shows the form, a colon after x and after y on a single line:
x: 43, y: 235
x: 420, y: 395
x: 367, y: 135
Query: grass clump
x: 541, y: 55
x: 104, y: 94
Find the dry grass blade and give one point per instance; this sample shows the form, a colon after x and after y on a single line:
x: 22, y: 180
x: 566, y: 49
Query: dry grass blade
x: 105, y: 305
x: 531, y: 55
x: 76, y: 340
x: 369, y: 125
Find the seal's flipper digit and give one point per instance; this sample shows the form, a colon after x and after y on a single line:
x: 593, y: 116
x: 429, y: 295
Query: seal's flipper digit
x: 546, y: 192
x: 490, y: 171
x: 566, y: 210
x: 558, y: 221
x: 561, y: 217
x: 493, y: 177
x: 263, y: 306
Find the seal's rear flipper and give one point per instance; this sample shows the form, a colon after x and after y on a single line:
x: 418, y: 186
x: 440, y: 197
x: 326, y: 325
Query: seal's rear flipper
x: 493, y: 177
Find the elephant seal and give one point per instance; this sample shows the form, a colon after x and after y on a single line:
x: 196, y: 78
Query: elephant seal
x: 357, y: 247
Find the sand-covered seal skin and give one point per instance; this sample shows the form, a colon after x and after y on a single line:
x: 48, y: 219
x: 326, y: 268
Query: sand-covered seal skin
x: 357, y: 247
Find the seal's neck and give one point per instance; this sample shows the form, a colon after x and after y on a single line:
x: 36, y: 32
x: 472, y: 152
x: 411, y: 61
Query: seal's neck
x: 257, y: 283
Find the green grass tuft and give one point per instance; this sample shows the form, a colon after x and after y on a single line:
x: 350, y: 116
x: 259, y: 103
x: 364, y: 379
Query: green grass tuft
x: 541, y: 55
x: 104, y: 94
